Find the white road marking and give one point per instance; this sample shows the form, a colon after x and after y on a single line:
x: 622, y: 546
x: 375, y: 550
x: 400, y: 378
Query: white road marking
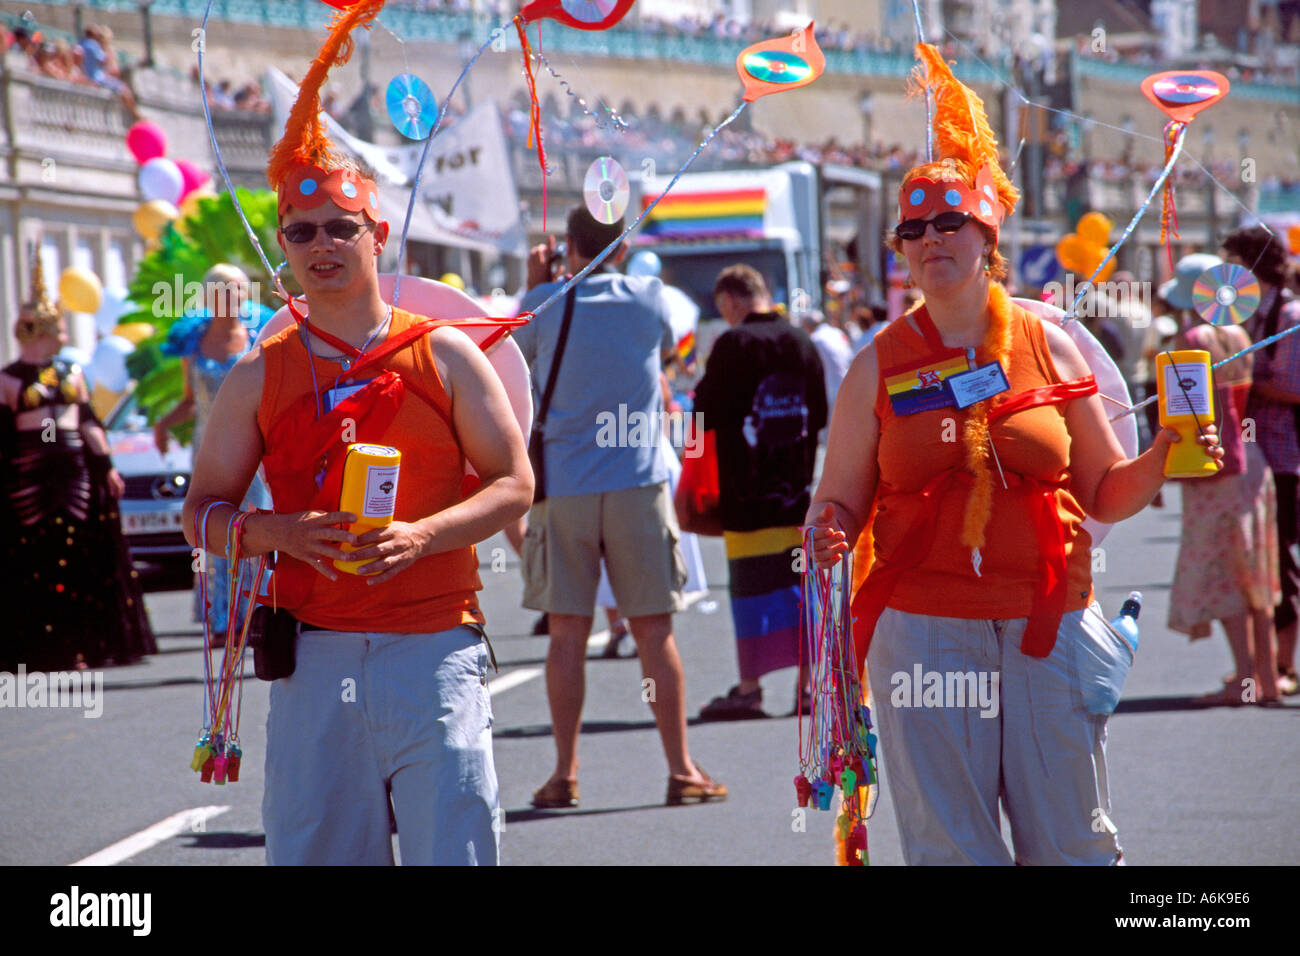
x: 513, y: 679
x: 160, y: 831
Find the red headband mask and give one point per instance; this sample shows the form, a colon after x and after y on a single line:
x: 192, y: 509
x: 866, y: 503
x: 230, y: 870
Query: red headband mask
x: 309, y: 186
x: 921, y: 198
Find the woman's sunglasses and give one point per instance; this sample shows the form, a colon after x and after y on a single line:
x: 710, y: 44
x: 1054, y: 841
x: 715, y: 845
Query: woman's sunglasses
x: 946, y: 223
x: 299, y: 232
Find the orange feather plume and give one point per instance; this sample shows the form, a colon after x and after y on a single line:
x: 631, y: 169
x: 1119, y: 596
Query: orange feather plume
x: 961, y: 129
x: 304, y: 139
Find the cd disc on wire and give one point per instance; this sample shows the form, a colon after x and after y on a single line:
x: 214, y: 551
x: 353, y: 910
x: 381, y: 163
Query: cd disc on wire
x: 1186, y: 88
x: 605, y: 189
x: 411, y: 106
x: 776, y: 66
x: 588, y: 11
x: 1226, y: 295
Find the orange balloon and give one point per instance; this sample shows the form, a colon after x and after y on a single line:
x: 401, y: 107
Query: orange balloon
x: 1071, y: 253
x: 1094, y: 227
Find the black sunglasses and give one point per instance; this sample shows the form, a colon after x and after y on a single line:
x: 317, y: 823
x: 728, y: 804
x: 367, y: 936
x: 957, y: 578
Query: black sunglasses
x: 945, y: 222
x: 299, y: 232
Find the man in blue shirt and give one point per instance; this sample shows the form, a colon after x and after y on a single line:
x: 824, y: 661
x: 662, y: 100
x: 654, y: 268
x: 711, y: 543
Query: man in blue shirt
x: 606, y: 495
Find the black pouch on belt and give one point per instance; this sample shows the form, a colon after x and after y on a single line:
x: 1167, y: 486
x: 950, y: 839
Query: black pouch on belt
x: 273, y: 636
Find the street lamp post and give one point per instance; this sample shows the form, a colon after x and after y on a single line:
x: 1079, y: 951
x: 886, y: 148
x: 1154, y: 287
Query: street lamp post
x: 1211, y: 213
x: 466, y: 48
x: 148, y: 31
x: 866, y: 106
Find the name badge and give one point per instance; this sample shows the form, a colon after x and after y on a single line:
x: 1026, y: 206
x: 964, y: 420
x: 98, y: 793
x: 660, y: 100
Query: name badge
x: 340, y: 392
x: 919, y: 387
x: 979, y: 383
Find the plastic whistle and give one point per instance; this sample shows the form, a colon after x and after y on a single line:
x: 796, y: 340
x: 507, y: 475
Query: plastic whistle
x: 802, y: 789
x: 858, y: 841
x: 234, y: 754
x: 202, y: 754
x: 844, y: 825
x: 824, y: 795
x: 848, y: 781
x: 209, y: 765
x: 219, y: 769
x: 864, y: 738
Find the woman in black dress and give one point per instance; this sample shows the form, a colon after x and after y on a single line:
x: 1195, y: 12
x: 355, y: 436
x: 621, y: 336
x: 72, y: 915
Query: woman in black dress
x: 77, y: 600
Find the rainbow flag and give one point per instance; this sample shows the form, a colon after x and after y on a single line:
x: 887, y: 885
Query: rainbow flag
x: 686, y: 349
x: 686, y: 215
x: 920, y: 388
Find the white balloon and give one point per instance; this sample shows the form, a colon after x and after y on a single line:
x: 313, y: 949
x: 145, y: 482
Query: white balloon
x: 1109, y: 383
x: 112, y: 306
x: 644, y: 263
x: 160, y: 178
x: 70, y: 353
x: 683, y: 313
x: 108, y: 364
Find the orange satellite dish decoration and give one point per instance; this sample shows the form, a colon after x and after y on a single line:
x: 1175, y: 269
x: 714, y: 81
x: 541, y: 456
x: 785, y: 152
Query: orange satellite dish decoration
x: 786, y: 63
x: 1184, y: 93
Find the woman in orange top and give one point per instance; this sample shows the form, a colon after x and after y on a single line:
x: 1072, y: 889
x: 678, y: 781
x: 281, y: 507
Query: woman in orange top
x: 989, y: 652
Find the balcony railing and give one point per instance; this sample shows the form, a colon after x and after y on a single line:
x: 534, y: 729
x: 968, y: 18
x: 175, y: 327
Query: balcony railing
x: 625, y: 41
x: 80, y: 126
x: 1135, y: 73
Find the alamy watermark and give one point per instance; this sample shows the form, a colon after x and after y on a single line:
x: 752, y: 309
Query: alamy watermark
x: 957, y: 689
x: 178, y: 297
x: 1104, y: 300
x: 641, y: 429
x: 71, y: 689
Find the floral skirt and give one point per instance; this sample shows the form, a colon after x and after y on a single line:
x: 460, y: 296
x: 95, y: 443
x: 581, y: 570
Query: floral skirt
x: 1227, y: 559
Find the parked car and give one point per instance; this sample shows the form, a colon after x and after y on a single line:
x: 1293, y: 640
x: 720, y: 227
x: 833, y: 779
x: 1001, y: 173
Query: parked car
x: 155, y: 487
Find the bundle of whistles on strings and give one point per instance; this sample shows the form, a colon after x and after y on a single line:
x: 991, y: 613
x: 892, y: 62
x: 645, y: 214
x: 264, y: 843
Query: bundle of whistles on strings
x: 217, y: 754
x: 837, y: 749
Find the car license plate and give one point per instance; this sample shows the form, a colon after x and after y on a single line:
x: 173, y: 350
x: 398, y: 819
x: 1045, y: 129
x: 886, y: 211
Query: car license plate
x: 151, y: 522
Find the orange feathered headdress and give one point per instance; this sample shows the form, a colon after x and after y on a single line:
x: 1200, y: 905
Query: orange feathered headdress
x: 304, y: 165
x: 965, y: 175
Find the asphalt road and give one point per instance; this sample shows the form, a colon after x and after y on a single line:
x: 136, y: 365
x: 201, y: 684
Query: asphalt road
x: 1189, y: 785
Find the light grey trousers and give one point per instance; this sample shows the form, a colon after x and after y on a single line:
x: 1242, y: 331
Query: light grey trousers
x: 364, y: 716
x: 1038, y: 748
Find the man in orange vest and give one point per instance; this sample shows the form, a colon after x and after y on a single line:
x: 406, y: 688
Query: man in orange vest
x: 386, y: 698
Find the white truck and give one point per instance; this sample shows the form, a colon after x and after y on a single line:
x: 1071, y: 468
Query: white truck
x: 777, y: 219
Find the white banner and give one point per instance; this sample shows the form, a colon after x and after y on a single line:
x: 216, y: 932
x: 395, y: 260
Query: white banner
x: 467, y: 192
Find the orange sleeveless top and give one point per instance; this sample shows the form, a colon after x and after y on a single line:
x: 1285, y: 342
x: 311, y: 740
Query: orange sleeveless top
x: 408, y: 410
x: 1033, y: 447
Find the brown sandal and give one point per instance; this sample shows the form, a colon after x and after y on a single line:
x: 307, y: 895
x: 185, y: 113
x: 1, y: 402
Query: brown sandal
x: 681, y: 789
x: 556, y: 795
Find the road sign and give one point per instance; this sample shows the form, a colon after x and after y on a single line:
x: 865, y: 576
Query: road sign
x: 1038, y: 265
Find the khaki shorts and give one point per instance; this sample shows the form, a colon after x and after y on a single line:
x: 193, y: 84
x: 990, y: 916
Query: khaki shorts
x: 634, y: 530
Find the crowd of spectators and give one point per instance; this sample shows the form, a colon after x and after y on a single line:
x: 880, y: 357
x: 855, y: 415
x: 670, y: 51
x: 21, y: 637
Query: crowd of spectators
x: 225, y: 95
x: 842, y: 36
x: 94, y: 61
x: 91, y: 60
x: 669, y: 141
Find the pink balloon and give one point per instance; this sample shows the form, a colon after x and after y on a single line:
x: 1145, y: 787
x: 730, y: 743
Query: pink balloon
x: 191, y: 177
x: 146, y: 141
